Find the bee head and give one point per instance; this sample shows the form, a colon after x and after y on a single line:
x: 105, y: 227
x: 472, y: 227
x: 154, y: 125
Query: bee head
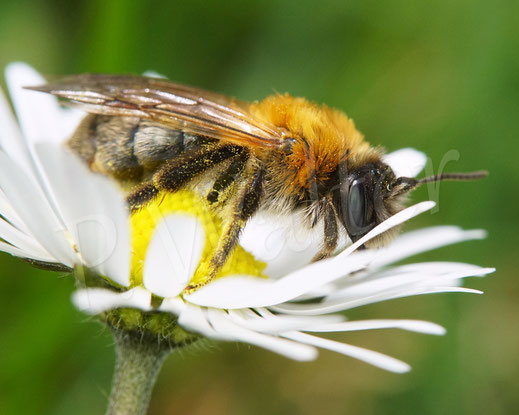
x: 362, y: 199
x: 372, y: 193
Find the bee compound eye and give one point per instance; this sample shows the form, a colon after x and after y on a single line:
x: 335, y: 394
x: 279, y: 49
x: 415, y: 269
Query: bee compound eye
x: 356, y: 215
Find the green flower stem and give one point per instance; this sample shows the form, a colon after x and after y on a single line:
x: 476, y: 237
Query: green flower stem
x: 139, y: 359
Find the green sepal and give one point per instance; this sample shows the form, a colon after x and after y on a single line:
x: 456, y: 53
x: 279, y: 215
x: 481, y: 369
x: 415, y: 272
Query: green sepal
x: 162, y: 327
x: 157, y: 325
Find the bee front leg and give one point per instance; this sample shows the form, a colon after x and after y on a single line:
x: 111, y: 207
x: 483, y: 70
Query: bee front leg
x: 331, y: 234
x: 243, y: 205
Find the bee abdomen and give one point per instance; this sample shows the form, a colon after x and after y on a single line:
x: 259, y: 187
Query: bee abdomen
x: 154, y: 144
x: 127, y: 148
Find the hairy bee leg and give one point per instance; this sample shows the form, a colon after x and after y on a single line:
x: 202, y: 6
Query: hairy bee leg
x: 142, y: 195
x: 331, y: 234
x: 245, y: 204
x: 227, y: 178
x: 174, y: 175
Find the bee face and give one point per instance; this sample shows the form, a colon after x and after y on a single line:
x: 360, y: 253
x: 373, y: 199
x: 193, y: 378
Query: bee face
x: 362, y: 199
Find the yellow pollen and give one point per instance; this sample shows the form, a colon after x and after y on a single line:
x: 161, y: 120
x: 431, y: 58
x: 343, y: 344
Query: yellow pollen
x: 145, y: 220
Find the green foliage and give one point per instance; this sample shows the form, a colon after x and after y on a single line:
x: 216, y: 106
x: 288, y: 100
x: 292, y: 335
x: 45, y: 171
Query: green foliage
x: 433, y: 75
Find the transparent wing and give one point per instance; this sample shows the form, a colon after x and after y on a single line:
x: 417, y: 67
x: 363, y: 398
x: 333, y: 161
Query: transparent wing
x: 178, y: 106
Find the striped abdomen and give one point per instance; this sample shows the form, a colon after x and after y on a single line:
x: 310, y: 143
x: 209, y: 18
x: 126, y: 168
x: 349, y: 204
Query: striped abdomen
x: 127, y: 148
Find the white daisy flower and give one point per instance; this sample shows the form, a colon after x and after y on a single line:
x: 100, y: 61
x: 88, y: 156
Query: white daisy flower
x: 49, y: 215
x: 55, y: 212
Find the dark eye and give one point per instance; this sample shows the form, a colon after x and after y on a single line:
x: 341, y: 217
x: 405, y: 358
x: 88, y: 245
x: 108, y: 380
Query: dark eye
x: 356, y: 208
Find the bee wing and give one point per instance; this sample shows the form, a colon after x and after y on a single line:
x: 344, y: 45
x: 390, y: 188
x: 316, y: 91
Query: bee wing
x: 178, y: 106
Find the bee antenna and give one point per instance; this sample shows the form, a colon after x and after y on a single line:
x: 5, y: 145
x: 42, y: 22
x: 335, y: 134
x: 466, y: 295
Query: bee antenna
x: 402, y: 185
x: 406, y: 184
x: 476, y: 175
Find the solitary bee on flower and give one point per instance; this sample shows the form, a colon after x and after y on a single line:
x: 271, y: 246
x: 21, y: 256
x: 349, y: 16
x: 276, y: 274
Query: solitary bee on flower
x: 280, y: 155
x: 89, y: 231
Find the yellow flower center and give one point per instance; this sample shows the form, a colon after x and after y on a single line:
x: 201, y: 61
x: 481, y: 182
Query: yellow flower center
x: 145, y: 220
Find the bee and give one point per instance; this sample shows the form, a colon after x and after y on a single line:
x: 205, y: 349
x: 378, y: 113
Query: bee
x: 281, y: 154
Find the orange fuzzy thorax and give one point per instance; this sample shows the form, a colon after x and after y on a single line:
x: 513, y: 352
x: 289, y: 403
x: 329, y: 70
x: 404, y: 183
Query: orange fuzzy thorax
x: 324, y: 136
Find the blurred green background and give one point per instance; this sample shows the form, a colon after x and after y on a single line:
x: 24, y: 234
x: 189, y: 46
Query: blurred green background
x: 437, y: 76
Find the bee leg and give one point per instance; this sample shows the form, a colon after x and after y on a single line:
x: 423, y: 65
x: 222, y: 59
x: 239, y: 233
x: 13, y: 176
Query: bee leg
x: 246, y: 202
x: 180, y: 171
x: 331, y: 234
x: 142, y: 195
x: 223, y: 185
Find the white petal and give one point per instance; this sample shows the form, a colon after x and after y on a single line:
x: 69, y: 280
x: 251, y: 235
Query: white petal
x: 425, y: 273
x: 397, y: 219
x: 173, y: 305
x: 401, y: 284
x: 423, y: 240
x: 98, y: 300
x: 335, y: 306
x: 270, y: 323
x: 23, y: 254
x: 41, y: 119
x: 281, y: 242
x: 429, y: 278
x: 26, y: 198
x: 10, y: 214
x: 373, y: 358
x: 232, y: 292
x: 40, y: 115
x: 404, y: 246
x: 11, y: 140
x: 222, y: 324
x: 173, y: 254
x: 195, y: 319
x: 93, y: 210
x: 243, y: 292
x: 28, y: 245
x: 406, y: 162
x: 418, y: 326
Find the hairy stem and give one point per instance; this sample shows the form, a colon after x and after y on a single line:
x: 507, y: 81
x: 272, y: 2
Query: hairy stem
x: 139, y: 360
